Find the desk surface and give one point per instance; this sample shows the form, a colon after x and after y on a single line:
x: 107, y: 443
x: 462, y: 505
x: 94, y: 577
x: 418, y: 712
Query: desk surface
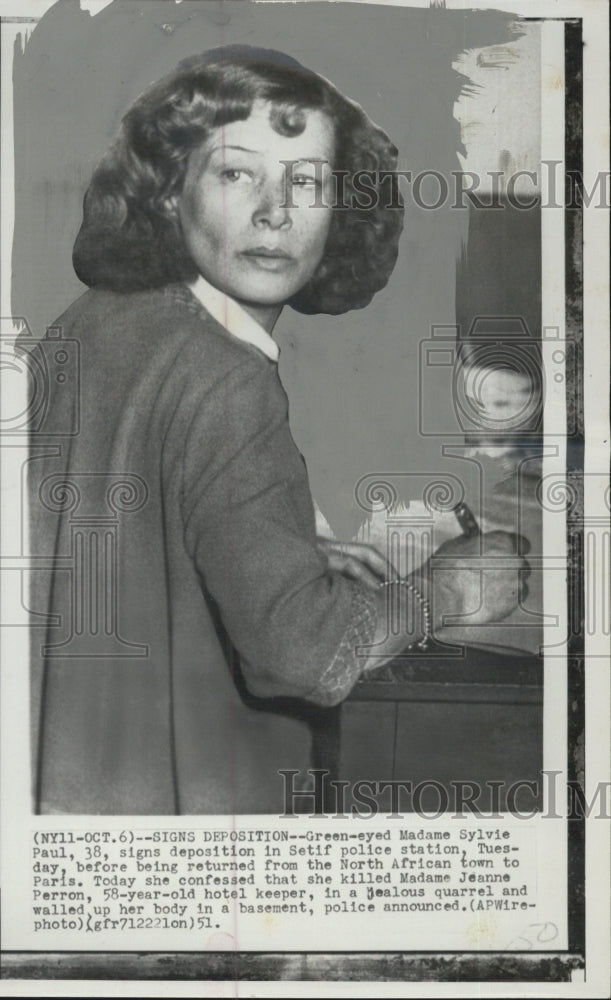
x: 475, y: 675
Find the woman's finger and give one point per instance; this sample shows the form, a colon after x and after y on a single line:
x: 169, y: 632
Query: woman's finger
x: 352, y: 568
x: 366, y: 554
x: 356, y: 569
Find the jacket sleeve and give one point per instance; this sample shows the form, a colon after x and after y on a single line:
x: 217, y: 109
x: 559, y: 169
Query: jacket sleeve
x: 250, y: 530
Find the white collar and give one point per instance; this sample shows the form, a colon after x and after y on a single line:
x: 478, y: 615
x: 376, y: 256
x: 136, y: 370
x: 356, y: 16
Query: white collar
x: 234, y: 318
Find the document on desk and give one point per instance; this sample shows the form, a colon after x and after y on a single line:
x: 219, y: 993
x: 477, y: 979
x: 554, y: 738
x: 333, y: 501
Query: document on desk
x: 404, y: 247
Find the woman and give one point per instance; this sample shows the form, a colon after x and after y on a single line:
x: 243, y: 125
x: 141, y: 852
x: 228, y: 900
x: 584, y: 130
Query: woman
x: 178, y: 688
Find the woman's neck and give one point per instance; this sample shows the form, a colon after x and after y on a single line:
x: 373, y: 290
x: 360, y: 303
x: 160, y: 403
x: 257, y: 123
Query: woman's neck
x: 265, y: 316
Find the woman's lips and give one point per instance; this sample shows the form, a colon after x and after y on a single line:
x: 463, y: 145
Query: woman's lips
x: 269, y: 258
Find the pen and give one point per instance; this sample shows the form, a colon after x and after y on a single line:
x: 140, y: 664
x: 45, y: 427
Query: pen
x: 466, y: 520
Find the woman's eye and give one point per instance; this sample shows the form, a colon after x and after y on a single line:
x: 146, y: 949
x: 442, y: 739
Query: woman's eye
x: 233, y: 174
x: 302, y: 180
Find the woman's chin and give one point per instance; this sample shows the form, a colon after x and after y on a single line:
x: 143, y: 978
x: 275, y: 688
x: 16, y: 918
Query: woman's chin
x: 265, y: 294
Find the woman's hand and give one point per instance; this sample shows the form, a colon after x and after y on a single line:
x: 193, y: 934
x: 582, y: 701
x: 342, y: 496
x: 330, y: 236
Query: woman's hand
x: 468, y: 581
x: 477, y: 580
x: 357, y: 561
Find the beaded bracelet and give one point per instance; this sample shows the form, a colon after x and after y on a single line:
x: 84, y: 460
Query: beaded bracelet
x: 425, y: 607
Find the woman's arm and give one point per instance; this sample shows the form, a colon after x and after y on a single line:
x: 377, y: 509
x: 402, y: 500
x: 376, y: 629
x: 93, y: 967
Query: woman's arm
x: 250, y: 530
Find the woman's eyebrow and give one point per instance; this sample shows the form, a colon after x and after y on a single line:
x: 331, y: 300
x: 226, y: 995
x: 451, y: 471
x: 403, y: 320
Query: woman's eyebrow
x: 224, y: 145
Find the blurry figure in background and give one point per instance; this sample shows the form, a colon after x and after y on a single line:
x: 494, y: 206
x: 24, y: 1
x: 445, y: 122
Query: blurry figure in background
x: 499, y: 396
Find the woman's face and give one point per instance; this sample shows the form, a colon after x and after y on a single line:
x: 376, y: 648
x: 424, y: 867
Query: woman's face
x: 248, y: 224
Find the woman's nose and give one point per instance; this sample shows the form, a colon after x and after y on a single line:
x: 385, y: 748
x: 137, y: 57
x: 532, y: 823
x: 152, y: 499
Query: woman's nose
x: 271, y: 209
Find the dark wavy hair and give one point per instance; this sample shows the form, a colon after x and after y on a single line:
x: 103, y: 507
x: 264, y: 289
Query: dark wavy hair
x: 130, y: 240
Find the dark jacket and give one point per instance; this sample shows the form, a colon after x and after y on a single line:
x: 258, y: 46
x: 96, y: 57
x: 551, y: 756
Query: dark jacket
x: 176, y: 509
